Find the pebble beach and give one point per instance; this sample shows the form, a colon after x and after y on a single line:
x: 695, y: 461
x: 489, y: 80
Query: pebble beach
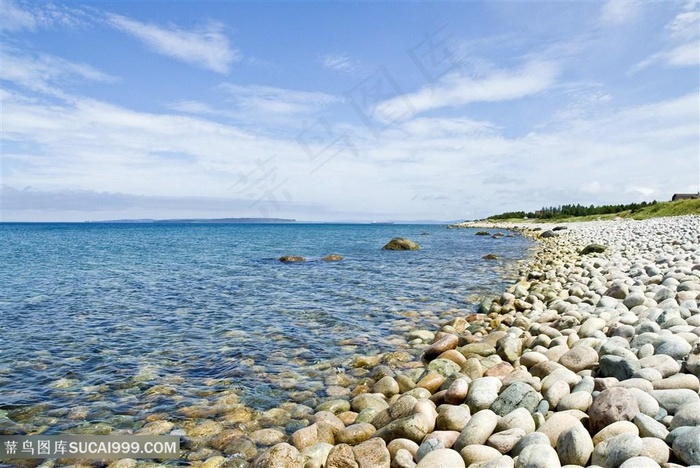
x: 591, y: 359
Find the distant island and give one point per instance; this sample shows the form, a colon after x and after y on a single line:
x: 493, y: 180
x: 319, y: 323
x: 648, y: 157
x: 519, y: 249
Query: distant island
x: 202, y: 221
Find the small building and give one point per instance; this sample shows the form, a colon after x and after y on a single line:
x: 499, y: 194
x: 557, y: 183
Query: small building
x: 685, y: 196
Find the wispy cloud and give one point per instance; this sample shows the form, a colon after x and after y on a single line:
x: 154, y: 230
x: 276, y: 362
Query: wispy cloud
x: 341, y: 63
x: 45, y: 73
x: 683, y: 41
x: 620, y: 11
x: 269, y: 100
x: 207, y: 47
x: 456, y: 90
x: 16, y: 16
x: 13, y: 18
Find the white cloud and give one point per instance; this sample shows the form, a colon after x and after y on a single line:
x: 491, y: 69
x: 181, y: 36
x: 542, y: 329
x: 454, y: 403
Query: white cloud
x: 341, y: 63
x: 620, y: 11
x: 25, y: 16
x: 455, y: 90
x: 13, y: 18
x: 683, y: 41
x: 46, y: 73
x: 207, y: 48
x: 257, y: 100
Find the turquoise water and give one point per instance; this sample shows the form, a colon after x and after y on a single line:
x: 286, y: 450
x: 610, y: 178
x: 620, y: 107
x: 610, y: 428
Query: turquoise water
x: 93, y: 315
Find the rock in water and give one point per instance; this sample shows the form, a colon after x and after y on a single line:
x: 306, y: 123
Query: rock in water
x: 399, y: 243
x: 291, y: 259
x: 332, y: 258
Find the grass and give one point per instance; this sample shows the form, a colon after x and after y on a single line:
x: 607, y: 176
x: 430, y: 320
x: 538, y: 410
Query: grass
x: 660, y: 209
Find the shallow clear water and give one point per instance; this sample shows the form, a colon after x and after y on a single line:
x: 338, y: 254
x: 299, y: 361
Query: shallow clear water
x: 93, y: 315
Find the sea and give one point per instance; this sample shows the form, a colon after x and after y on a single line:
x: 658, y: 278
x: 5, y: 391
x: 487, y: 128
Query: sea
x: 94, y: 316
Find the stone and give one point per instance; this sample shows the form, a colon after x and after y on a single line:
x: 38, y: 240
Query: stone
x: 334, y: 406
x: 402, y: 459
x: 387, y: 386
x: 650, y: 427
x: 575, y: 446
x: 399, y: 243
x: 509, y: 348
x: 613, y: 452
x: 579, y: 401
x: 686, y: 415
x: 368, y: 400
x: 615, y: 429
x: 678, y: 381
x: 590, y: 326
x: 671, y: 400
x: 402, y: 444
x: 448, y: 438
x: 427, y: 446
x: 281, y: 455
x: 556, y: 424
x: 534, y: 438
x: 332, y: 258
x: 483, y: 392
x: 687, y: 446
x: 453, y: 418
x: 442, y: 458
x: 413, y: 427
x: 268, y: 437
x: 519, y: 418
x: 445, y: 343
x: 313, y: 434
x: 579, y: 358
x: 478, y: 429
x: 656, y: 449
x: 444, y: 367
x: 503, y: 461
x: 612, y: 405
x: 593, y: 248
x: 663, y: 363
x: 517, y: 395
x: 355, y: 434
x: 647, y: 403
x: 372, y: 454
x: 640, y: 462
x: 616, y: 366
x: 472, y: 454
x: 634, y: 299
x: 457, y: 391
x: 538, y: 456
x: 504, y: 441
x: 674, y: 346
x: 556, y: 392
x: 316, y: 455
x: 341, y: 456
x: 291, y: 259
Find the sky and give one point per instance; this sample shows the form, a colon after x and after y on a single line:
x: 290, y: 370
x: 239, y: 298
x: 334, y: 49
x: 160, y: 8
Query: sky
x: 344, y: 111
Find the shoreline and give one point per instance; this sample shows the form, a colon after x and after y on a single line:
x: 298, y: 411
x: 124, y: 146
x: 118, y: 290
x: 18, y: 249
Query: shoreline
x: 589, y: 359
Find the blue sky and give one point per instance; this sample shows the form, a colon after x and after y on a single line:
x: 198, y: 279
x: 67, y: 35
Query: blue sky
x: 344, y: 111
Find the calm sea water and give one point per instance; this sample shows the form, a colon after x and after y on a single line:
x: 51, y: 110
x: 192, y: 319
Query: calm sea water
x: 92, y: 315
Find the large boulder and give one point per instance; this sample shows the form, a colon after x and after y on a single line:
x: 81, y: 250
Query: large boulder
x: 399, y: 243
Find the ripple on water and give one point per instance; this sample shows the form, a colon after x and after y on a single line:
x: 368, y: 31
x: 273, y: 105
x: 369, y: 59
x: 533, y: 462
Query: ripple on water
x: 112, y: 324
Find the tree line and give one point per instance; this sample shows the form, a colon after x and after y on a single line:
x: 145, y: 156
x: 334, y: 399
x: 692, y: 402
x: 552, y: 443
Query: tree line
x: 568, y: 211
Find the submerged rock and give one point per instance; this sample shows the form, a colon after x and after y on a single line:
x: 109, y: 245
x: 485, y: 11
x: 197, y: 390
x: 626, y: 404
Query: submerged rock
x: 291, y: 259
x: 332, y: 258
